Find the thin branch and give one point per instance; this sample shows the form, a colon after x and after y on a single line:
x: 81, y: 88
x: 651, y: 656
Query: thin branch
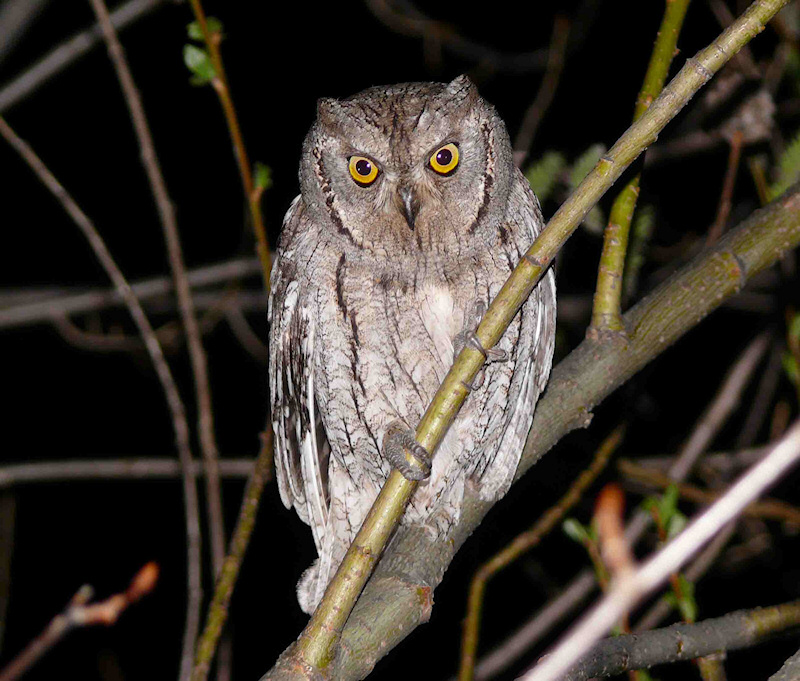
x: 16, y: 16
x: 37, y: 306
x: 630, y: 590
x: 177, y: 410
x: 546, y: 92
x: 244, y: 333
x: 714, y: 417
x: 769, y: 509
x: 218, y: 610
x: 607, y: 310
x: 66, y: 53
x: 679, y: 642
x: 725, y: 198
x: 316, y: 646
x: 80, y: 613
x: 252, y: 193
x: 397, y: 599
x: 194, y: 342
x: 113, y: 469
x: 521, y: 544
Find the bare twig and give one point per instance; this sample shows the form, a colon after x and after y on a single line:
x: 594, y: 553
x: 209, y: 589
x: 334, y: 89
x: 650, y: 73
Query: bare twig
x: 769, y: 509
x: 35, y: 305
x: 80, y: 613
x: 197, y: 356
x: 218, y: 610
x: 178, y: 412
x: 220, y: 82
x: 547, y: 89
x: 522, y: 543
x: 725, y: 199
x: 68, y: 52
x: 609, y: 517
x: 244, y: 333
x: 15, y: 18
x: 113, y: 469
x: 733, y: 631
x: 627, y: 592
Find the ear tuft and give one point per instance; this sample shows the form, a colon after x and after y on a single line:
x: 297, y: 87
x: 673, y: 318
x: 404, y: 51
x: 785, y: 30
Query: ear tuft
x: 462, y: 89
x: 328, y: 109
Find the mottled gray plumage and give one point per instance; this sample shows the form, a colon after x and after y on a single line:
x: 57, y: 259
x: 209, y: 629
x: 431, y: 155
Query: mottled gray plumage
x: 371, y: 288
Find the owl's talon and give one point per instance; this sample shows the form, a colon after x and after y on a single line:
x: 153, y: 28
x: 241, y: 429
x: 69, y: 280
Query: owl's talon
x: 404, y: 453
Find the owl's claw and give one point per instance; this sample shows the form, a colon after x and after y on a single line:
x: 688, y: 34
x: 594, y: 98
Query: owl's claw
x: 404, y: 453
x: 469, y: 337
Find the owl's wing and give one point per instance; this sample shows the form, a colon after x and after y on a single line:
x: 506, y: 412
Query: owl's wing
x: 301, y: 447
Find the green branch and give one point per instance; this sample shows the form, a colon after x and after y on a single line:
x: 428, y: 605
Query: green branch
x: 606, y: 314
x: 392, y: 604
x: 315, y: 651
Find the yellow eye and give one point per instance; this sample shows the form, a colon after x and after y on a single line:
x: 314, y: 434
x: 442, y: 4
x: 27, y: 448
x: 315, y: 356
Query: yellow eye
x: 362, y: 170
x: 445, y: 159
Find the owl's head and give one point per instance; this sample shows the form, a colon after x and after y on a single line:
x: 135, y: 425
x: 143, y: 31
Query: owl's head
x: 412, y: 166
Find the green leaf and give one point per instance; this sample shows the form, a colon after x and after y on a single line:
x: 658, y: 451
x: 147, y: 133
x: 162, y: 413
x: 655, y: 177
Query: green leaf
x: 687, y: 604
x: 676, y: 524
x: 213, y: 24
x: 791, y: 368
x: 669, y: 503
x: 263, y: 175
x: 198, y: 61
x: 543, y: 174
x: 794, y: 328
x: 788, y: 169
x: 584, y: 164
x: 576, y: 531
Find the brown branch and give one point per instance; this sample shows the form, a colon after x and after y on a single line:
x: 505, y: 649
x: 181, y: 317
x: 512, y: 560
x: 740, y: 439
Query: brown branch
x: 742, y: 629
x: 770, y: 509
x: 222, y: 88
x: 80, y: 613
x: 177, y: 410
x: 520, y: 545
x: 725, y: 199
x: 169, y: 224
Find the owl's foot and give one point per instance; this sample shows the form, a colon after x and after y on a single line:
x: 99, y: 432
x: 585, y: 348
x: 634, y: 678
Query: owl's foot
x: 469, y: 337
x: 404, y: 453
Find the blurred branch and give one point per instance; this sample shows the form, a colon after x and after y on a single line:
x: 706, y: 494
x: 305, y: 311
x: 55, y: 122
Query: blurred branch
x: 218, y: 610
x: 176, y: 407
x: 113, y: 469
x: 15, y: 18
x: 521, y: 544
x: 678, y: 642
x: 252, y: 193
x: 547, y: 88
x: 628, y: 591
x: 769, y: 509
x: 68, y: 52
x: 34, y: 306
x: 81, y: 613
x: 392, y: 605
x: 405, y: 19
x: 166, y: 212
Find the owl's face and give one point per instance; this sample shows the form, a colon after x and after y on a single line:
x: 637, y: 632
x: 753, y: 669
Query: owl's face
x: 413, y: 166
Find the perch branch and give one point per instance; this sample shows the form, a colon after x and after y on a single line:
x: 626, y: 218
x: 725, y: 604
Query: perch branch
x: 607, y: 310
x: 316, y: 647
x: 398, y: 595
x: 166, y: 212
x: 174, y: 402
x: 252, y: 193
x: 678, y: 642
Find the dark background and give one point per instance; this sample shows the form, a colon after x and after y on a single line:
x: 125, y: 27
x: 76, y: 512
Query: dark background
x: 63, y: 403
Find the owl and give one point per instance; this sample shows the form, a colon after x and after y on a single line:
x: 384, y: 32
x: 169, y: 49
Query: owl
x: 410, y: 217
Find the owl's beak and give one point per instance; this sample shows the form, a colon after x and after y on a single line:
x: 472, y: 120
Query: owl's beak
x: 408, y: 204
